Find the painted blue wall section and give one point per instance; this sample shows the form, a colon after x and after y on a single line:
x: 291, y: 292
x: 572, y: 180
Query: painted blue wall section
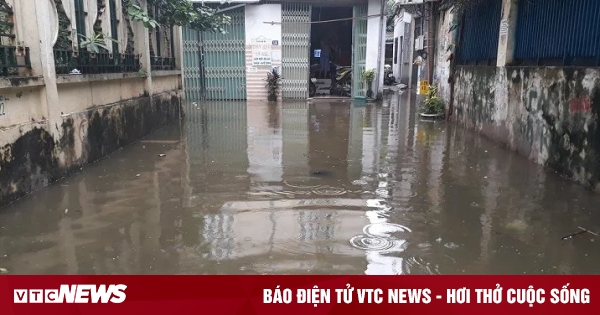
x: 558, y: 32
x: 479, y: 34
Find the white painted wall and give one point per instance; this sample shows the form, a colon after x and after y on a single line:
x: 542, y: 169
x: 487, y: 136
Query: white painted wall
x: 403, y: 31
x: 256, y: 16
x: 398, y: 34
x: 375, y: 42
x: 445, y: 38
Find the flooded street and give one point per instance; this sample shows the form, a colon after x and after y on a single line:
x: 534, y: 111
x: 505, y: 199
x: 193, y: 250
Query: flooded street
x: 326, y: 188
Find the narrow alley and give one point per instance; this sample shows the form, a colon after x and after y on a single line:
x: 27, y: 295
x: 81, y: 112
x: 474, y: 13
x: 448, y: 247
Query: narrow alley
x: 297, y: 188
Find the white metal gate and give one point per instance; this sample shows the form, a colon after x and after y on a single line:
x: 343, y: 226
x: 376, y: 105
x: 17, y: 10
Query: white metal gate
x: 359, y: 50
x: 295, y: 44
x: 192, y: 70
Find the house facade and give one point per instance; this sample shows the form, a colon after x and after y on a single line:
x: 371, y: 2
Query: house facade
x: 277, y: 34
x: 403, y: 48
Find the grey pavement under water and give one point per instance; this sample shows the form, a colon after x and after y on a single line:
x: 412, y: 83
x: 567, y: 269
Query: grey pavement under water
x: 325, y: 188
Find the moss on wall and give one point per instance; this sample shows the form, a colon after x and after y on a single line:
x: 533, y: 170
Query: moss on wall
x: 38, y: 157
x: 551, y: 115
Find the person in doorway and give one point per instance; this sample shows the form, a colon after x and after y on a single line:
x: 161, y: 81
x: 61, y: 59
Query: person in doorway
x: 332, y: 75
x: 325, y: 57
x: 328, y: 64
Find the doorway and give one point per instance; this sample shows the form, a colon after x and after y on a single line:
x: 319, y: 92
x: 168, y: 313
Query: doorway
x: 331, y: 51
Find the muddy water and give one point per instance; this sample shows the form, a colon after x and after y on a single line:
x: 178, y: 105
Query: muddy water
x: 327, y: 188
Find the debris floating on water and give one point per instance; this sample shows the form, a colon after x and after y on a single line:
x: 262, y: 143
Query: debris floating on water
x: 586, y: 230
x: 583, y: 231
x: 162, y: 155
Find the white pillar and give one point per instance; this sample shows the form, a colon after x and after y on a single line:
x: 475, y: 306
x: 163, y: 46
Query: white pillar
x: 508, y: 27
x: 43, y: 13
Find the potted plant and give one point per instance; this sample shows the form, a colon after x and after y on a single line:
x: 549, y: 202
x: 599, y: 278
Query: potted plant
x: 273, y: 80
x: 368, y: 77
x: 433, y: 106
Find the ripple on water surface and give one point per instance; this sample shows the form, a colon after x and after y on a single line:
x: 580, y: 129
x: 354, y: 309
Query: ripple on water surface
x: 381, y: 237
x: 372, y: 243
x: 385, y: 229
x: 329, y: 191
x: 302, y: 182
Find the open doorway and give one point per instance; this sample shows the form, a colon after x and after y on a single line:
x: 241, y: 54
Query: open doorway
x: 331, y: 51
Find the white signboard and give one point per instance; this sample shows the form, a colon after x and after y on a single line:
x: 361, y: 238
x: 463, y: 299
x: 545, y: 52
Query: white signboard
x: 261, y: 51
x: 503, y: 27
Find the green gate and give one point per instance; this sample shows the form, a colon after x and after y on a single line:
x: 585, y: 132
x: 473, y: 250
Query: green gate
x: 295, y: 44
x: 214, y: 64
x: 192, y: 69
x: 359, y: 50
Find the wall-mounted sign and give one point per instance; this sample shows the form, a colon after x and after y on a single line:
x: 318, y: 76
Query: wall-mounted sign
x: 275, y: 43
x: 261, y: 51
x: 2, y: 100
x: 503, y: 27
x: 424, y: 87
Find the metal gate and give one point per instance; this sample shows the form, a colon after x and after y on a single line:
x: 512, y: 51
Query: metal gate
x: 192, y: 69
x: 295, y: 44
x: 214, y: 64
x: 359, y: 50
x: 225, y: 60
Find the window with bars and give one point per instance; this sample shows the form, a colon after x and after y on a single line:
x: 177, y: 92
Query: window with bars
x: 84, y: 61
x: 12, y: 57
x: 80, y: 19
x: 162, y: 56
x: 114, y: 25
x: 396, y: 50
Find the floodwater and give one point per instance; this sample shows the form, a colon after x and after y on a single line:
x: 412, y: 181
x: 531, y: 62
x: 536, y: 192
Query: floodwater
x: 327, y: 188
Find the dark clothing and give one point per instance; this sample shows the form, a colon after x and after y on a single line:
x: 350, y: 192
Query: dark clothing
x: 332, y: 74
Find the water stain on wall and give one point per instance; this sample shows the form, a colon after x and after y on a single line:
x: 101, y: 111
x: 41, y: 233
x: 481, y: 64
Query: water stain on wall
x: 38, y: 157
x: 552, y: 114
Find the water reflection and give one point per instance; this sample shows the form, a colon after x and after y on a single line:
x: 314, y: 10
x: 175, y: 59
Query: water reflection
x: 298, y: 188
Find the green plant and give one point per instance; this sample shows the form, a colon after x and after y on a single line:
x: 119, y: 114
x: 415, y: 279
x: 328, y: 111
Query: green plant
x: 432, y: 103
x: 136, y: 13
x: 180, y: 13
x: 273, y: 80
x: 368, y: 76
x: 94, y: 43
x: 390, y: 14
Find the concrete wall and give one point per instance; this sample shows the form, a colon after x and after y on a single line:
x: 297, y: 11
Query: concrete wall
x: 375, y: 43
x: 551, y: 115
x: 403, y: 32
x: 548, y: 114
x: 257, y: 34
x: 444, y: 48
x: 399, y: 27
x: 52, y: 124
